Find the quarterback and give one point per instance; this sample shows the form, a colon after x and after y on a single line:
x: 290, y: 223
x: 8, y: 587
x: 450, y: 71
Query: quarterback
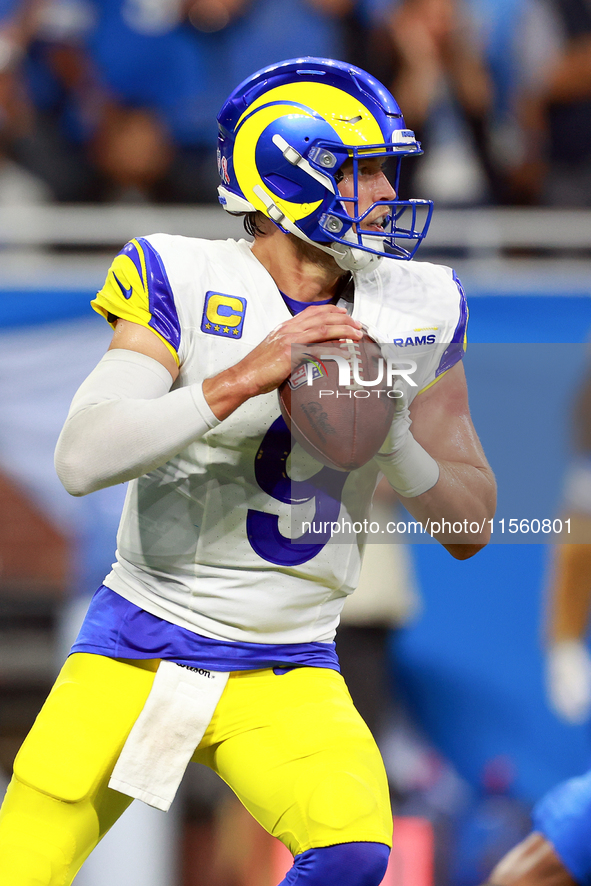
x: 212, y: 637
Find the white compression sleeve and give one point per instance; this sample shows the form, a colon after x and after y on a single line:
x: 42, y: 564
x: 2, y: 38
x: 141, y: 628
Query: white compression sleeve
x: 125, y: 421
x: 408, y: 468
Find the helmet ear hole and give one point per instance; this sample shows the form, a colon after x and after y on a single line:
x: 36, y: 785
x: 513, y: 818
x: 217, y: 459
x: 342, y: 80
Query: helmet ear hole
x: 282, y: 186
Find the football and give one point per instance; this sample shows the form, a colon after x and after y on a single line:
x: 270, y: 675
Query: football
x: 332, y: 404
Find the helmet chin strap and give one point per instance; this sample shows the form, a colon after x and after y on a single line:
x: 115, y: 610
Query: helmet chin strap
x: 351, y: 259
x: 358, y: 259
x: 347, y: 257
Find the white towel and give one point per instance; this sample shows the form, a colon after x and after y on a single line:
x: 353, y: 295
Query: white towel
x: 164, y: 737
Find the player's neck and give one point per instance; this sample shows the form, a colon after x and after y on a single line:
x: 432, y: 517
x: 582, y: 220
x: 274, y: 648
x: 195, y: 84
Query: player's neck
x: 302, y: 272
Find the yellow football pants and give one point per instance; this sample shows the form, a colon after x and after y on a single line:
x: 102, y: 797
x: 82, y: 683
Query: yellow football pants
x: 292, y: 747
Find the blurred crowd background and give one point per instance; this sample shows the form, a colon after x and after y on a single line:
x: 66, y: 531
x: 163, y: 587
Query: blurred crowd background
x: 115, y: 100
x: 111, y: 105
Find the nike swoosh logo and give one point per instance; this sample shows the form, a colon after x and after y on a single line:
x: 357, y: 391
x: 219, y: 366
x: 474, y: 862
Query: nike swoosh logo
x: 126, y: 292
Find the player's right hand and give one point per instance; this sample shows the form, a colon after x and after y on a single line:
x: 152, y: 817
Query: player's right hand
x: 272, y: 360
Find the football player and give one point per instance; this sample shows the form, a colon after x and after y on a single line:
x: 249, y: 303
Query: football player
x: 212, y: 637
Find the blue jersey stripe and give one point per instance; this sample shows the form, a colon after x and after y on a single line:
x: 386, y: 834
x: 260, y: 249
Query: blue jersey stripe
x: 161, y: 300
x: 456, y: 348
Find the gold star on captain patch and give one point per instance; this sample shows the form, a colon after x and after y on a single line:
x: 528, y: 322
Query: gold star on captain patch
x: 226, y: 329
x: 208, y: 325
x: 217, y: 328
x: 234, y: 332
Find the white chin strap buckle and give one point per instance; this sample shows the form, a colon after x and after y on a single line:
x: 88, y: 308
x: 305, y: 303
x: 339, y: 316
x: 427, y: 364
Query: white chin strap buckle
x: 351, y: 259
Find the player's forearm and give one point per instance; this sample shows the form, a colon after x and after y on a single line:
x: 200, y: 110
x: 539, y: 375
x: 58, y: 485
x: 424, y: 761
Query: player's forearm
x: 124, y: 422
x: 458, y: 508
x: 228, y: 390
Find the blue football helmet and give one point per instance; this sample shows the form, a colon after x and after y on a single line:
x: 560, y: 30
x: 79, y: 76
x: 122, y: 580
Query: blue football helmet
x: 285, y: 132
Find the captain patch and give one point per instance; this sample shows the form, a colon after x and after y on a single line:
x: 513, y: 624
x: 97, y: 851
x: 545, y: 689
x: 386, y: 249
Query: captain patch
x: 223, y: 315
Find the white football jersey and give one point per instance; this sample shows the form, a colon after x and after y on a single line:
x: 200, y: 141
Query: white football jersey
x: 204, y: 540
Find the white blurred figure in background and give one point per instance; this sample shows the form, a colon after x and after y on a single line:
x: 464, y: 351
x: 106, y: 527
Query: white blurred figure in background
x: 568, y: 673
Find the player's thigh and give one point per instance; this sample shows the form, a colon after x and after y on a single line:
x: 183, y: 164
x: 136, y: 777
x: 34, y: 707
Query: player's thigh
x: 301, y: 759
x: 79, y: 732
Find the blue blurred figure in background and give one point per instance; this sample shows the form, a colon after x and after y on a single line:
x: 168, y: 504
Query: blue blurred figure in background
x: 125, y: 91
